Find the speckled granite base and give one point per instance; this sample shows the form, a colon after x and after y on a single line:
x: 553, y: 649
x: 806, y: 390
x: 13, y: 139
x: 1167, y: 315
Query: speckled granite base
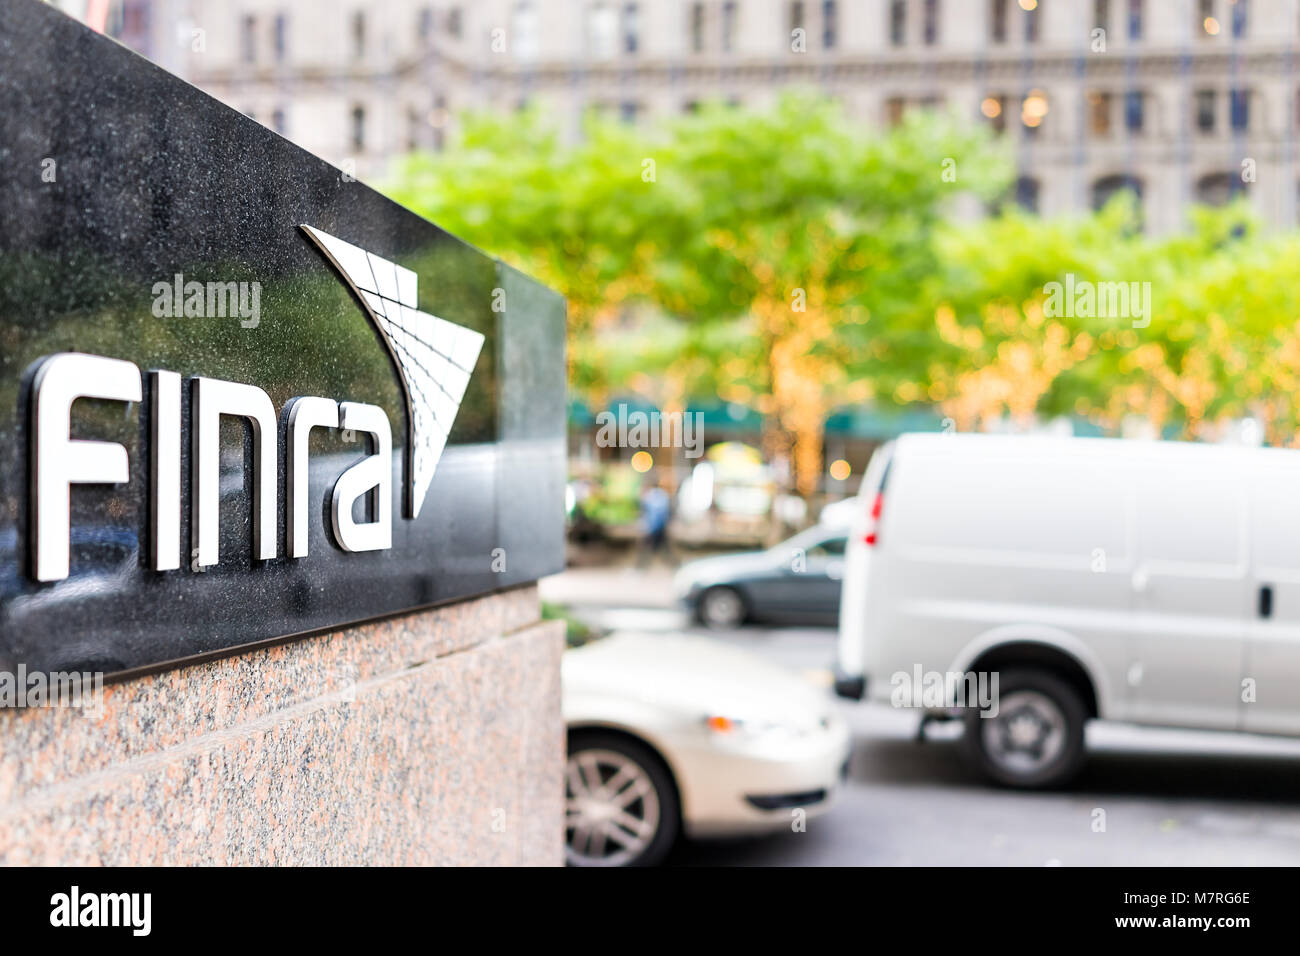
x: 433, y: 738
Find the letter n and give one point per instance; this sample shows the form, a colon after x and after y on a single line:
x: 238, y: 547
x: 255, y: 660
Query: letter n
x: 212, y: 398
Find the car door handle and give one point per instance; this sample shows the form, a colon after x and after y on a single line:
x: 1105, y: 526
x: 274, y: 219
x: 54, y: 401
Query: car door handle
x: 1266, y: 600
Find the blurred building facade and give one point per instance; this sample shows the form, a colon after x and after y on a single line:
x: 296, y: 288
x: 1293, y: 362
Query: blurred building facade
x: 1179, y: 100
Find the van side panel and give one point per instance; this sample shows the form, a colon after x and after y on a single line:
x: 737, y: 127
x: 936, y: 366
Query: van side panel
x: 982, y: 532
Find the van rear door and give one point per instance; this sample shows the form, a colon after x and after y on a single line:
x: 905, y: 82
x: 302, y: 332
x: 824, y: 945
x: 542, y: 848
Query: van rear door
x: 854, y: 596
x: 1271, y: 703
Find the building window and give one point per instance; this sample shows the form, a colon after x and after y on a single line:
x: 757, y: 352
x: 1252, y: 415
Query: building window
x: 796, y: 16
x: 602, y: 30
x: 524, y: 30
x: 1023, y: 193
x: 931, y: 22
x: 424, y: 24
x: 1218, y: 189
x: 438, y: 120
x: 830, y: 24
x: 1031, y: 21
x: 631, y: 28
x: 1135, y: 19
x: 1207, y: 23
x: 454, y: 22
x: 1240, y: 17
x: 280, y: 36
x: 697, y: 28
x: 358, y: 34
x: 628, y: 111
x: 729, y: 11
x: 1027, y: 193
x: 994, y: 109
x: 1205, y: 110
x: 1107, y: 186
x: 130, y: 24
x: 897, y: 22
x: 248, y: 39
x: 998, y: 20
x: 1134, y: 111
x: 1101, y: 15
x: 278, y: 122
x: 1099, y: 113
x: 359, y: 128
x: 1033, y: 110
x: 1239, y: 110
x: 895, y: 106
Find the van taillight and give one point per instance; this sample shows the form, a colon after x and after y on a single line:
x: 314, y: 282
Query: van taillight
x: 874, y: 526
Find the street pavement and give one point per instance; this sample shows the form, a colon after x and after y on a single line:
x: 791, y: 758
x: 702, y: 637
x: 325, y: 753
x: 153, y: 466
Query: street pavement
x: 1170, y: 798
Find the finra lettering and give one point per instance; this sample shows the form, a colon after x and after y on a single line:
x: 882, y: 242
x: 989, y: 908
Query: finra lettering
x: 58, y: 462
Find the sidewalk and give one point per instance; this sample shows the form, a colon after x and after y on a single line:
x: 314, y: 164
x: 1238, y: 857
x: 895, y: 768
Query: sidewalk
x: 626, y: 587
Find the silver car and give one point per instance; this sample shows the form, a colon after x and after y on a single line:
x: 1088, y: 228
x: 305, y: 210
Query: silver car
x: 671, y: 734
x: 795, y: 582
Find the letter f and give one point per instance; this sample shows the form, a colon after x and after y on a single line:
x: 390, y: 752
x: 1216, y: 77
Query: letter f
x: 58, y: 462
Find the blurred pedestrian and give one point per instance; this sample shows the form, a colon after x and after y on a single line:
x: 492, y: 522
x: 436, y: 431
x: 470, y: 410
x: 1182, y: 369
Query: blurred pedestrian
x: 656, y: 507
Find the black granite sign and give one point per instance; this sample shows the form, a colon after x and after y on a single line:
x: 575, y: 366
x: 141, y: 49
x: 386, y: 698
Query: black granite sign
x: 242, y: 396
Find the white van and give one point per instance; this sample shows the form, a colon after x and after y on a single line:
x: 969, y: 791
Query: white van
x: 1150, y: 582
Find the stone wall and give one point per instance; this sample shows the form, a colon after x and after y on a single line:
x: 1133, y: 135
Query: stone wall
x: 430, y: 738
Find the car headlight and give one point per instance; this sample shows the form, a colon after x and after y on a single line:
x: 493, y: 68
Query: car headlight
x: 735, y: 728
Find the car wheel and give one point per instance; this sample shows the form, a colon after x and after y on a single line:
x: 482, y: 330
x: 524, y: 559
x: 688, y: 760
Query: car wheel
x: 1035, y: 739
x: 620, y: 803
x: 722, y: 608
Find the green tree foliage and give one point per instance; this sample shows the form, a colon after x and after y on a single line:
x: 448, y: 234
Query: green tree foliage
x: 777, y: 247
x: 792, y: 260
x: 1223, y: 339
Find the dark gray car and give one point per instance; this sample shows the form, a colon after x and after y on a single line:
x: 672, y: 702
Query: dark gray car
x: 795, y: 582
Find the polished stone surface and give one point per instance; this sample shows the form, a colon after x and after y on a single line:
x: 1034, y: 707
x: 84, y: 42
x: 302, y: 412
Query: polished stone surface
x: 115, y: 176
x: 431, y: 738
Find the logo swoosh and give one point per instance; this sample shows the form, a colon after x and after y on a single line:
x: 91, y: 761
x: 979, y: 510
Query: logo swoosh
x: 434, y: 357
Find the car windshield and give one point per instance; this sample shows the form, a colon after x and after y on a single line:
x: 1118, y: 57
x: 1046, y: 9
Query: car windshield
x: 816, y: 541
x: 829, y: 548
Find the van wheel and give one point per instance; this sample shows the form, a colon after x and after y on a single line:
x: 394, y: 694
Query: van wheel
x: 722, y: 608
x: 1035, y: 739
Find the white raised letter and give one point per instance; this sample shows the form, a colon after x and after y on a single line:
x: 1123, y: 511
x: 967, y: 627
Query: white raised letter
x: 165, y: 469
x: 212, y: 398
x: 57, y: 461
x: 375, y: 471
x: 301, y: 416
